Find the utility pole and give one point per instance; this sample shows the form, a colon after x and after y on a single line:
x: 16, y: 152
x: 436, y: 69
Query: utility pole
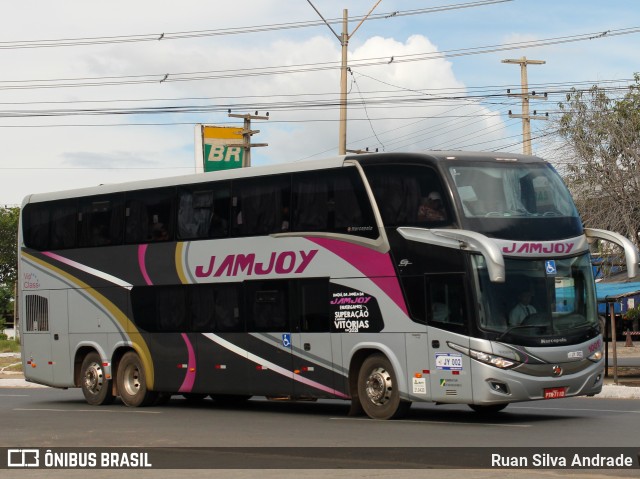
x: 247, y: 132
x: 344, y: 42
x: 526, y: 96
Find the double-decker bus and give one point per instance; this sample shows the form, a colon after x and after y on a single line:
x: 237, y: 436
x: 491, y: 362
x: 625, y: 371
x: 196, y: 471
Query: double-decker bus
x: 382, y: 279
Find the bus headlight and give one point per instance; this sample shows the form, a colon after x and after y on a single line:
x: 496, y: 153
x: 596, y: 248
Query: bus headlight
x: 491, y: 359
x: 497, y: 361
x: 597, y: 356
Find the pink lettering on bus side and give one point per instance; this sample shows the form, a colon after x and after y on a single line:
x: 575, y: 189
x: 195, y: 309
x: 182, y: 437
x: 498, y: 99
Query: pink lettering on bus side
x: 285, y: 262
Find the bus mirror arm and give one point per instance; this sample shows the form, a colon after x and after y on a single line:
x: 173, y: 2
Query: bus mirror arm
x: 632, y: 258
x: 464, y: 240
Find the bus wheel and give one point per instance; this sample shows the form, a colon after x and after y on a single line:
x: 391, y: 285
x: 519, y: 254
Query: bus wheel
x: 132, y: 382
x: 488, y: 409
x: 95, y: 386
x: 378, y: 389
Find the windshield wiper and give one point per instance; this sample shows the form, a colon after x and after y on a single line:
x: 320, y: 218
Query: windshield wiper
x: 520, y: 326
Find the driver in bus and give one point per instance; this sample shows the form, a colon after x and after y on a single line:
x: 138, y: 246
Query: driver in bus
x: 431, y: 208
x: 523, y: 309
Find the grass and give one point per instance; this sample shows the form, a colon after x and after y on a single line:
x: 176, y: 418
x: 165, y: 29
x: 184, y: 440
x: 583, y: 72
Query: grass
x: 10, y: 365
x: 9, y: 346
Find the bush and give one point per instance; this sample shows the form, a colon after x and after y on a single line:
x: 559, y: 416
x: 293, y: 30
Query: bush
x: 632, y: 314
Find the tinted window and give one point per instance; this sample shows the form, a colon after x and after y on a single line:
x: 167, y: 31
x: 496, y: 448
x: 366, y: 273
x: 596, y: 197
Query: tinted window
x: 314, y: 305
x: 227, y: 308
x: 203, y: 211
x: 64, y: 222
x: 50, y: 225
x: 414, y: 292
x: 101, y: 220
x: 261, y: 205
x: 408, y: 195
x: 149, y: 215
x: 267, y: 306
x: 160, y: 308
x: 36, y: 225
x: 332, y: 201
x: 447, y: 304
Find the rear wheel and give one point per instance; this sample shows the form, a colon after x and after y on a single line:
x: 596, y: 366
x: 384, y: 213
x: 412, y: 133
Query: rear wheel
x: 93, y: 381
x: 378, y: 389
x: 132, y: 382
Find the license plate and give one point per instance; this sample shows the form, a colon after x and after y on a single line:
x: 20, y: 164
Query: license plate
x: 555, y: 393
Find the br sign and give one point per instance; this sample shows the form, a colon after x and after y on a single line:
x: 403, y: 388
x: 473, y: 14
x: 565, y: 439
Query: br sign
x: 222, y: 148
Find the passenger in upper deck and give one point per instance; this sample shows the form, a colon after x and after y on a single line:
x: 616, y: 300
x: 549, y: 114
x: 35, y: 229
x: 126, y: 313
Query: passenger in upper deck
x: 431, y: 208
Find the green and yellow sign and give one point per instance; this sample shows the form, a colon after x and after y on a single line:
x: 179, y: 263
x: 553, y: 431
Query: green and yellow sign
x: 222, y: 148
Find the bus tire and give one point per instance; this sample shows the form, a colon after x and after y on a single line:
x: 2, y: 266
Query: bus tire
x: 378, y: 389
x: 93, y: 381
x: 488, y: 409
x: 132, y: 382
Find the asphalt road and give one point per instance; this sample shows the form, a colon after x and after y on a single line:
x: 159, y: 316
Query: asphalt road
x: 58, y: 418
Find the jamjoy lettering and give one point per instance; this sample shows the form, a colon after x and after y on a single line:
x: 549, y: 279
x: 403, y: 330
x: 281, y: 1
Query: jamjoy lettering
x: 541, y: 248
x: 285, y: 262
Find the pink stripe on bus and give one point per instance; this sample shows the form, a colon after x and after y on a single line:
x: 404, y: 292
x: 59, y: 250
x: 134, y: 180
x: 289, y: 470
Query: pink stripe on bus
x: 190, y: 378
x: 373, y: 265
x: 142, y: 250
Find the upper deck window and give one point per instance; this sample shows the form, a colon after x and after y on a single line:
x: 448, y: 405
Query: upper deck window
x: 409, y: 195
x: 513, y: 189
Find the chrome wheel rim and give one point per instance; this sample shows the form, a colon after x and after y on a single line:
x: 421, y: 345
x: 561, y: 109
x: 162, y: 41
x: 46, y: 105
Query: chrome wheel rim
x: 379, y: 386
x: 131, y: 381
x: 93, y: 378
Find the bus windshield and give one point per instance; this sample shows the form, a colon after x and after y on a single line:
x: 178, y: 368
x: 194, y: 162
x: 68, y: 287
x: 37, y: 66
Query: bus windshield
x: 540, y: 299
x: 512, y: 189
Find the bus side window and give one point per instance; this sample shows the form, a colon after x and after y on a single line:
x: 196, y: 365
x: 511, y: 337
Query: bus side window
x: 314, y: 305
x: 447, y: 303
x: 36, y: 225
x: 101, y: 220
x: 414, y: 293
x: 332, y: 201
x: 171, y: 308
x: 408, y: 195
x: 310, y: 202
x: 149, y: 215
x: 203, y: 211
x: 201, y: 300
x: 261, y: 205
x: 227, y: 308
x: 267, y: 305
x: 64, y: 220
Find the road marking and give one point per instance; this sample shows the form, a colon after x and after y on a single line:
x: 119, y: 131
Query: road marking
x: 401, y: 421
x: 14, y: 395
x: 89, y: 410
x: 572, y: 409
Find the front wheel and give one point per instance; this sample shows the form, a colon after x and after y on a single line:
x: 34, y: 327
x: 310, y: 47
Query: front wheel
x: 132, y: 382
x: 93, y: 381
x: 378, y: 389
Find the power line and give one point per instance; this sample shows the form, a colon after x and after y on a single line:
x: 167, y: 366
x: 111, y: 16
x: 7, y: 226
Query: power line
x: 166, y: 36
x: 291, y: 69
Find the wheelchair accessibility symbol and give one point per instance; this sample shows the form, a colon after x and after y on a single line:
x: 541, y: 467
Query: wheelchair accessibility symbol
x: 286, y: 340
x: 550, y: 267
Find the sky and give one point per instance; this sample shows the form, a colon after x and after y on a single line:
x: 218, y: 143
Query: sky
x: 94, y: 93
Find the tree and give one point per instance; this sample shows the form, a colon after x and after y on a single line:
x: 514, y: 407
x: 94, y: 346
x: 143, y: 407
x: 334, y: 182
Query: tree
x: 8, y: 257
x: 600, y: 138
